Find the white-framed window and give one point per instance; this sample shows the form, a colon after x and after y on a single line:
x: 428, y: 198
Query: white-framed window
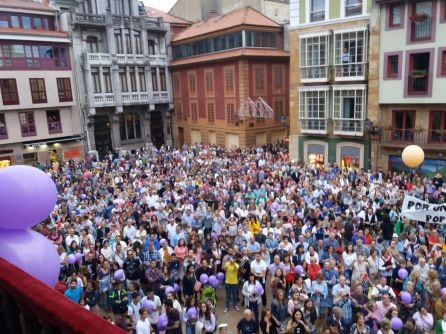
x: 349, y: 108
x: 350, y: 53
x: 317, y: 10
x: 316, y: 153
x: 314, y: 109
x: 353, y: 7
x: 314, y: 56
x: 350, y: 155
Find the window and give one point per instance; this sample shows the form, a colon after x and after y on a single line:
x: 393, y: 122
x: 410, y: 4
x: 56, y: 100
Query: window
x: 123, y: 80
x: 259, y: 80
x: 151, y: 47
x: 37, y: 21
x: 437, y: 128
x: 137, y: 39
x: 392, y: 65
x: 395, y: 17
x: 353, y: 7
x: 313, y: 109
x: 349, y: 105
x: 38, y: 91
x: 192, y: 82
x: 350, y: 54
x: 64, y: 89
x: 313, y: 57
x: 229, y: 81
x: 23, y: 21
x: 421, y: 21
x: 194, y: 111
x: 317, y: 10
x: 54, y: 123
x: 107, y: 80
x: 27, y: 124
x: 60, y: 57
x: 10, y: 94
x: 5, y: 56
x: 92, y: 44
x: 279, y: 109
x: 118, y: 42
x: 128, y: 42
x: 442, y: 12
x: 315, y: 154
x: 3, y: 129
x: 129, y: 126
x: 230, y: 112
x: 96, y: 80
x: 142, y: 79
x: 176, y: 84
x: 278, y: 79
x: 163, y: 83
x: 349, y: 155
x: 154, y: 80
x: 26, y: 22
x: 209, y: 82
x: 420, y: 79
x: 442, y: 62
x: 32, y: 56
x: 15, y: 21
x: 179, y: 110
x: 210, y: 111
x: 132, y: 76
x: 403, y: 125
x: 261, y: 39
x: 4, y: 22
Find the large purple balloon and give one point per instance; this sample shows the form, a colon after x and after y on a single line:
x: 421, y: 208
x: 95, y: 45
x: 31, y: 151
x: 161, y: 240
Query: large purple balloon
x: 402, y: 273
x: 148, y: 305
x: 168, y: 290
x: 27, y: 197
x: 204, y: 278
x: 396, y: 323
x: 31, y: 252
x: 192, y: 313
x: 176, y: 287
x: 406, y: 297
x: 71, y: 259
x: 258, y: 289
x: 119, y: 275
x: 163, y: 320
x: 221, y: 276
x: 299, y: 270
x: 78, y: 257
x: 213, y: 281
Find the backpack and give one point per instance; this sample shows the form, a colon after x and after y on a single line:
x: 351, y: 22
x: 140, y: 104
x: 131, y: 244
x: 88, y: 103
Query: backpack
x: 208, y: 292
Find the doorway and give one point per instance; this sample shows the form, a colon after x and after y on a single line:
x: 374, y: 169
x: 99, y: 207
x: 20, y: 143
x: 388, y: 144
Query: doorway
x: 156, y: 128
x: 102, y: 135
x: 181, y: 137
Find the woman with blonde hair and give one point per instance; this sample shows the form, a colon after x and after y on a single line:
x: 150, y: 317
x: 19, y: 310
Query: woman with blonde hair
x: 433, y: 287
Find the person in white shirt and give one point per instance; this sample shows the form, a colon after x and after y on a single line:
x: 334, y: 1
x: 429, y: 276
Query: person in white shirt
x: 157, y: 305
x: 129, y: 231
x: 423, y: 319
x: 143, y: 324
x: 135, y: 306
x: 71, y: 237
x: 258, y: 268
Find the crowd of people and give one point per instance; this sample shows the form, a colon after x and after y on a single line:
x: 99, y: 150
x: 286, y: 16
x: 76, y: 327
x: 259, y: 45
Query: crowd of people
x: 326, y: 244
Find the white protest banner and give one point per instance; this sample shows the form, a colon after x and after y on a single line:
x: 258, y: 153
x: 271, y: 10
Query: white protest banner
x: 416, y: 209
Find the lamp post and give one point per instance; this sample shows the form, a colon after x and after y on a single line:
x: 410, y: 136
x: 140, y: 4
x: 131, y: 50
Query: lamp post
x: 373, y: 133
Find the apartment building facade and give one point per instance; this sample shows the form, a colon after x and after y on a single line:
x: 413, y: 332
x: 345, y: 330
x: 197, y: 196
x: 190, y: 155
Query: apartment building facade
x: 412, y: 81
x: 223, y: 65
x: 329, y: 97
x: 39, y: 118
x: 121, y: 67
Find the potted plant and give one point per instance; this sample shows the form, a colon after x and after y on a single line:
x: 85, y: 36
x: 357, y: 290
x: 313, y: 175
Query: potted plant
x: 419, y: 73
x: 419, y: 17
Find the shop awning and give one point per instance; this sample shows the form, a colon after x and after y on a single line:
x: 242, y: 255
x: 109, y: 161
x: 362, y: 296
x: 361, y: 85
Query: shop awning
x: 36, y: 143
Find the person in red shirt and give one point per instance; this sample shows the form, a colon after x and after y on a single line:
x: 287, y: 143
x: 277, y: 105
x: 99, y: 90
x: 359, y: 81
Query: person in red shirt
x: 60, y: 285
x: 367, y: 237
x: 313, y: 269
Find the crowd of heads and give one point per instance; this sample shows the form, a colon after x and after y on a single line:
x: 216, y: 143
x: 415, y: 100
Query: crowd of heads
x: 339, y: 255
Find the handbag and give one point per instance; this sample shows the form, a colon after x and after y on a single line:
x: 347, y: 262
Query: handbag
x: 290, y: 277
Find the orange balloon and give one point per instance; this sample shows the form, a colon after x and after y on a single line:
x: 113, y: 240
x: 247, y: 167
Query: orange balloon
x: 413, y: 156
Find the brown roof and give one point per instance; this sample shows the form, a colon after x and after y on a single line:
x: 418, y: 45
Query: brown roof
x: 236, y: 53
x: 20, y: 31
x: 243, y: 16
x: 24, y: 4
x: 150, y: 11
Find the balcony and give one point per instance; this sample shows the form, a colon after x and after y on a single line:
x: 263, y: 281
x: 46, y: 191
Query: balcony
x: 421, y: 28
x: 313, y: 126
x: 418, y: 83
x: 428, y: 139
x: 348, y: 127
x: 314, y: 74
x: 104, y: 99
x: 158, y: 60
x: 88, y: 19
x: 130, y: 59
x: 350, y: 72
x: 99, y: 59
x: 135, y: 97
x: 317, y: 16
x: 161, y: 97
x: 152, y: 23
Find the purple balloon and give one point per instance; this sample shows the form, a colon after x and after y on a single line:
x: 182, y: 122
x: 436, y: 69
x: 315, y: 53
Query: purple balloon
x: 221, y: 276
x: 168, y: 290
x: 78, y: 257
x: 27, y: 198
x: 192, y: 313
x: 396, y: 323
x: 299, y: 270
x: 213, y: 281
x: 406, y: 297
x: 119, y: 275
x: 204, y: 278
x: 258, y: 289
x: 402, y: 273
x: 163, y: 320
x: 176, y: 287
x: 213, y: 235
x: 31, y: 252
x: 300, y: 215
x: 71, y: 259
x: 443, y: 291
x: 148, y: 305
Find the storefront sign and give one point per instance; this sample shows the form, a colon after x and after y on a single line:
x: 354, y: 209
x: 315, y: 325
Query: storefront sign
x: 72, y: 154
x: 416, y: 209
